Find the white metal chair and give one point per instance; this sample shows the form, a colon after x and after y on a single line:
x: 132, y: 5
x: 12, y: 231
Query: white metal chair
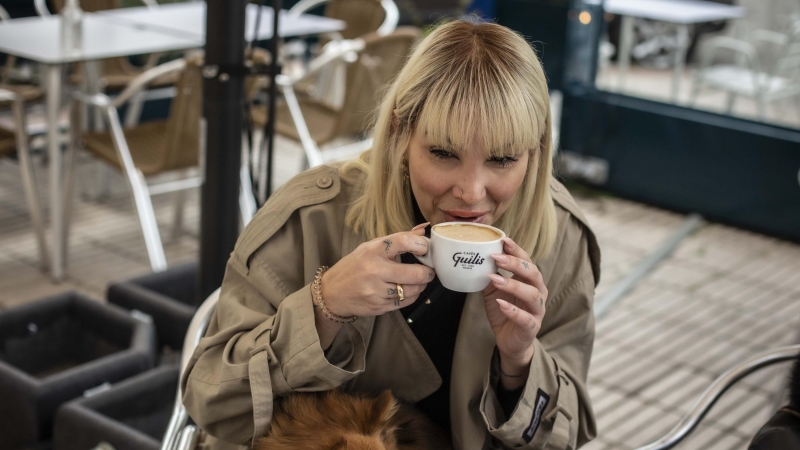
x: 372, y: 63
x: 355, y: 14
x: 716, y: 389
x: 179, y: 435
x: 19, y: 141
x: 362, y: 17
x: 750, y: 75
x: 15, y: 96
x: 152, y: 148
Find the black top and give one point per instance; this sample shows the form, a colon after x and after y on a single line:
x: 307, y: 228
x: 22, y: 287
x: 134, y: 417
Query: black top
x: 434, y: 321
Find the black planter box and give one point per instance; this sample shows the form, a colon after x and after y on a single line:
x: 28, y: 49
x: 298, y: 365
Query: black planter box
x: 53, y: 350
x: 169, y: 297
x: 132, y: 415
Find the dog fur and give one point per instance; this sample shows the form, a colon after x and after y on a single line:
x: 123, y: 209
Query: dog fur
x: 335, y: 420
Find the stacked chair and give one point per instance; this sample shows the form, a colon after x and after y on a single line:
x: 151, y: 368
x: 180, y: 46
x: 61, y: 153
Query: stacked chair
x: 16, y: 97
x: 372, y: 63
x: 148, y: 149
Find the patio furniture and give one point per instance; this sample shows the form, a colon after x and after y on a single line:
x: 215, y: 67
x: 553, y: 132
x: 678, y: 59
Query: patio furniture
x: 362, y: 18
x: 683, y: 13
x: 16, y: 96
x: 122, y: 32
x: 750, y: 75
x: 168, y: 297
x: 131, y: 415
x: 111, y: 73
x: 37, y: 39
x: 716, y: 389
x: 373, y: 63
x: 151, y: 148
x: 179, y: 435
x: 18, y: 141
x: 55, y: 349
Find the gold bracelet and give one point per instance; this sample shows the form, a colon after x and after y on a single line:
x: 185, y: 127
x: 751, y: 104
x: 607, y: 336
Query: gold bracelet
x: 316, y: 287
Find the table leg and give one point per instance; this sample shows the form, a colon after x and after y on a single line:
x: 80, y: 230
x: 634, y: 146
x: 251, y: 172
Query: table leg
x: 680, y: 60
x: 624, y: 51
x: 54, y: 152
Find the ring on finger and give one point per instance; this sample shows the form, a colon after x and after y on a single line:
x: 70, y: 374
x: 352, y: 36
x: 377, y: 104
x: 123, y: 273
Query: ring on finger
x: 400, y: 295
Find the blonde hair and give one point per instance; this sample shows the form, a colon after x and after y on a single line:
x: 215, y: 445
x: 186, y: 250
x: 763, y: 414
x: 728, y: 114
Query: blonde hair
x: 463, y: 80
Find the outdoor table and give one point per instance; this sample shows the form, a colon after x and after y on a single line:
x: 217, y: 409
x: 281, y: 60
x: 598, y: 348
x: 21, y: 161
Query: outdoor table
x: 680, y: 12
x: 37, y: 39
x: 189, y: 19
x: 109, y: 35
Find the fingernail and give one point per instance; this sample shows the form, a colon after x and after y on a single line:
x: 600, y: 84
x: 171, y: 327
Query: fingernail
x: 422, y: 225
x: 497, y: 279
x: 502, y: 259
x: 508, y: 242
x: 503, y: 304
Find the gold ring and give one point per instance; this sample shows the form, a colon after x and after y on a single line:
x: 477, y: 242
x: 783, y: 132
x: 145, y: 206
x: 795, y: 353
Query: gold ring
x: 400, y: 295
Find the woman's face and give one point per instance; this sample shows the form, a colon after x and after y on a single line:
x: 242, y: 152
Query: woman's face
x: 454, y: 184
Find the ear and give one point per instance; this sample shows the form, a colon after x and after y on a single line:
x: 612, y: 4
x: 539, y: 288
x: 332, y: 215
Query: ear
x: 385, y: 406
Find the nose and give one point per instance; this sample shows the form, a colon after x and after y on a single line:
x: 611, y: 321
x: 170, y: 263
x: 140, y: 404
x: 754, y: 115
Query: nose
x: 471, y: 188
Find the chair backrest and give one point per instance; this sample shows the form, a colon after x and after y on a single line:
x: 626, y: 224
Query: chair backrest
x: 178, y: 435
x: 10, y: 60
x: 367, y: 78
x: 183, y: 123
x: 362, y: 16
x: 91, y: 5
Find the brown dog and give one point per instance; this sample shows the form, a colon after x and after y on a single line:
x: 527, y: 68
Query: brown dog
x: 335, y: 420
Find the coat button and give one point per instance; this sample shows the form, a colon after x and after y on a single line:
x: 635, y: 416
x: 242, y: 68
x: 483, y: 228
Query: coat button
x: 324, y: 182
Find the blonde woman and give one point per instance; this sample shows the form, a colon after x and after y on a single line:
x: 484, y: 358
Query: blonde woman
x: 464, y: 134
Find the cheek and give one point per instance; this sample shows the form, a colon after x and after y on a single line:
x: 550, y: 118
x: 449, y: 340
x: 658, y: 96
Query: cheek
x: 431, y: 186
x: 504, y: 188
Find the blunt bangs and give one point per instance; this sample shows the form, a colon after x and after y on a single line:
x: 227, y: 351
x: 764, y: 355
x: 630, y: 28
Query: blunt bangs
x: 480, y: 102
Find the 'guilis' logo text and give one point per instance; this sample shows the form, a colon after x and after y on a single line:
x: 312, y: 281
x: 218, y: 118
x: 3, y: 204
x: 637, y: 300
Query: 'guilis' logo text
x: 467, y: 258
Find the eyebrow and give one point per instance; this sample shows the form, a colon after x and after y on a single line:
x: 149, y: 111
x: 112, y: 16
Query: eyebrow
x: 450, y: 146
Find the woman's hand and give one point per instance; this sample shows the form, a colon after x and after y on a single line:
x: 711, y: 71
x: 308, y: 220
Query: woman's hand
x: 515, y: 308
x: 364, y: 283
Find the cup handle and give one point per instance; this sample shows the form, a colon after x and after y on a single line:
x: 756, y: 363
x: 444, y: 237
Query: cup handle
x: 426, y: 259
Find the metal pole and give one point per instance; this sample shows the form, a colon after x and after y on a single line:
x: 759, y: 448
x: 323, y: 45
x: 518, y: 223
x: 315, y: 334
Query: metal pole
x: 223, y: 94
x: 265, y: 189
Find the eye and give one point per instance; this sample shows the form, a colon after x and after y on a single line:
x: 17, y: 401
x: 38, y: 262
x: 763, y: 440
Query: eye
x: 441, y: 154
x: 503, y: 161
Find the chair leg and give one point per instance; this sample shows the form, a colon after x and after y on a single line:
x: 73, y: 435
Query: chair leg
x: 696, y: 86
x: 247, y: 202
x: 134, y: 112
x: 731, y: 101
x: 761, y: 107
x: 141, y: 196
x: 29, y: 182
x: 179, y: 198
x: 70, y: 163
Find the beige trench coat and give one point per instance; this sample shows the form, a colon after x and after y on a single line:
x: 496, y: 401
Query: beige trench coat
x: 262, y: 342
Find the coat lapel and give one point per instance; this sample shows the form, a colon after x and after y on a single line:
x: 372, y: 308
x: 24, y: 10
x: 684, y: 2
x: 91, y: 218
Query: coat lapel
x: 475, y: 344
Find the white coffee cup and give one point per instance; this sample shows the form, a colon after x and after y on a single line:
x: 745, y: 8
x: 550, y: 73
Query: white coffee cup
x: 462, y: 266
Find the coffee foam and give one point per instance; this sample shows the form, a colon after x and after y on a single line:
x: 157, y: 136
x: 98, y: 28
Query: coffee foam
x: 468, y: 233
